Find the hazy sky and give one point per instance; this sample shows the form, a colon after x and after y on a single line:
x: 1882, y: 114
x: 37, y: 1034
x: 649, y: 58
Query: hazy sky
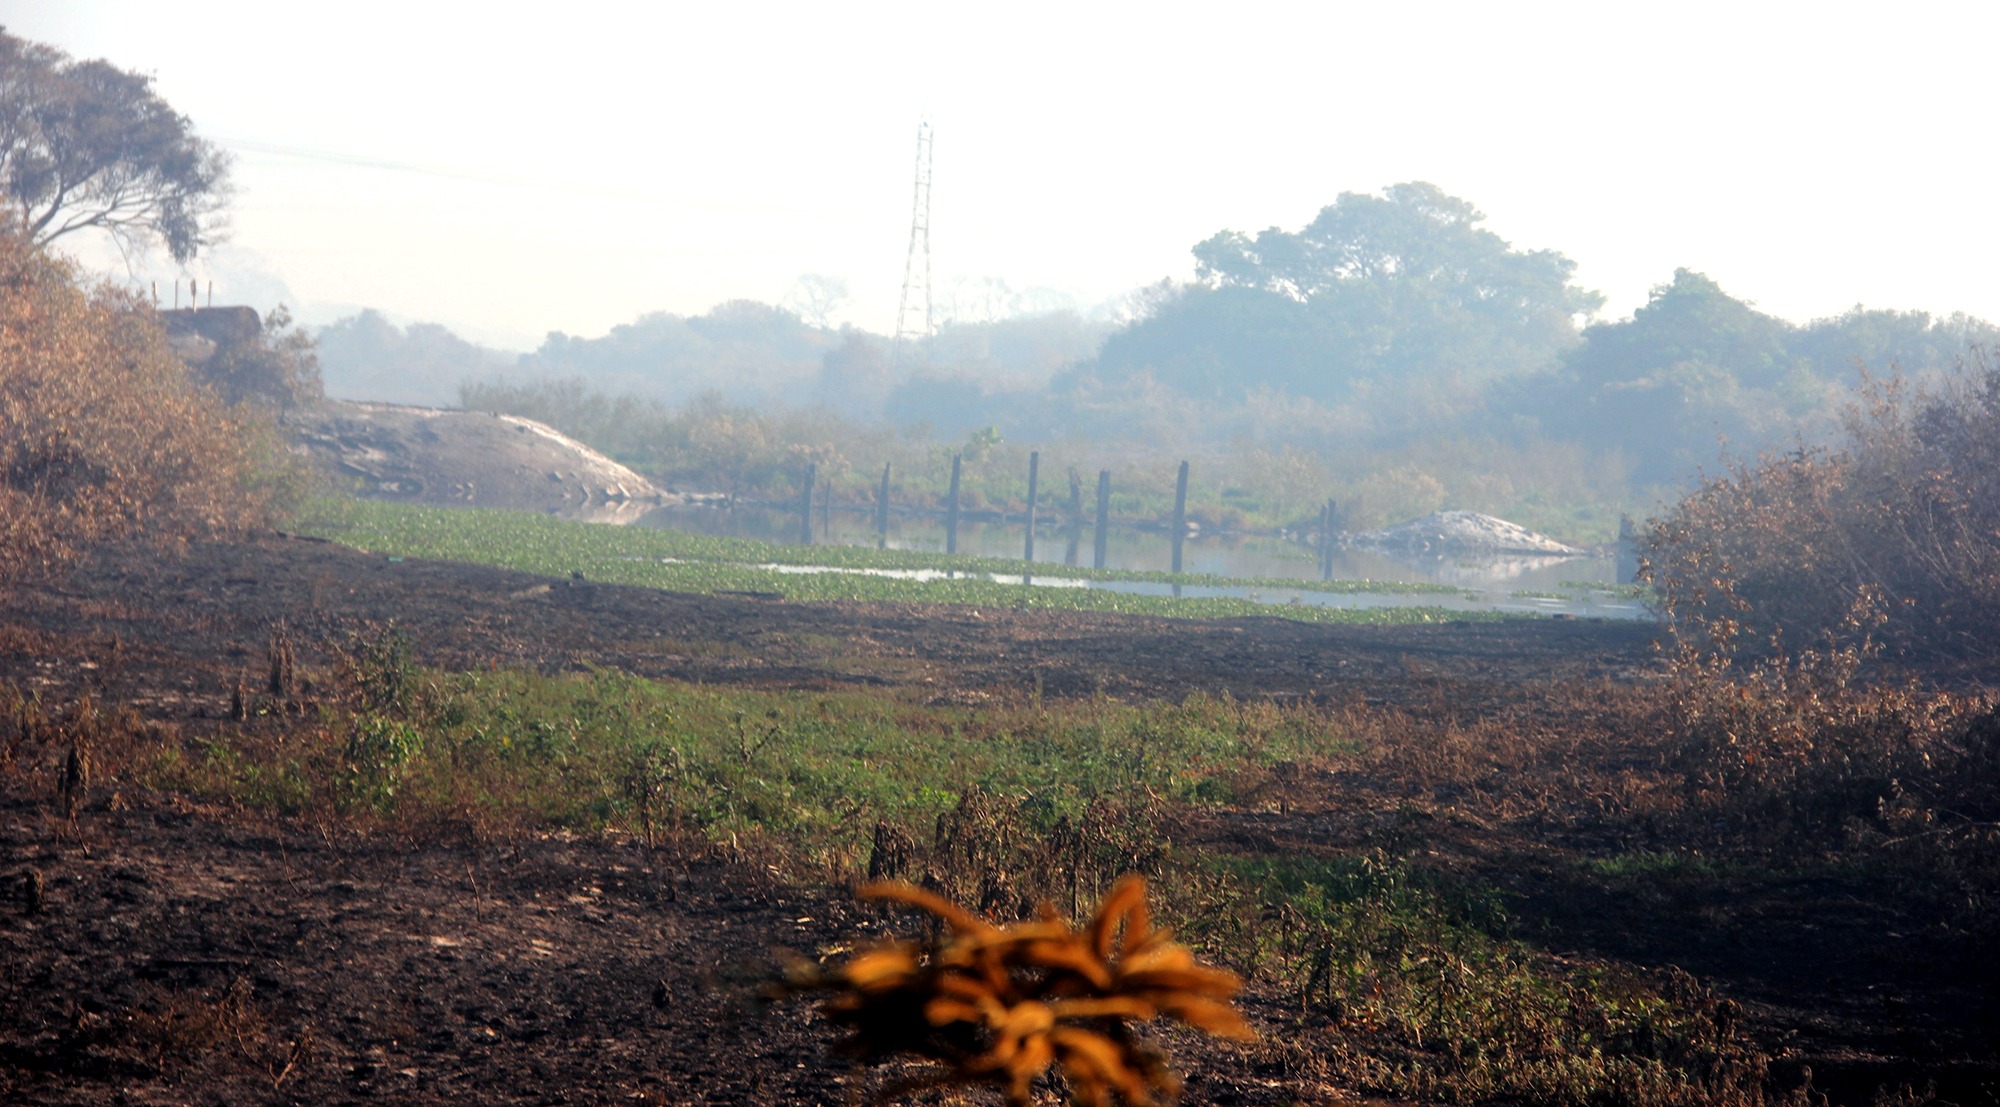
x: 539, y: 167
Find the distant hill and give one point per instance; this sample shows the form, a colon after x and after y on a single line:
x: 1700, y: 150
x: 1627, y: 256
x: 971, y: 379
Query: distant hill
x: 367, y: 357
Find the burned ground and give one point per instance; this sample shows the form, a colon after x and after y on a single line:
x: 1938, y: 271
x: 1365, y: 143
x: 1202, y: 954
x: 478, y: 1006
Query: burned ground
x: 188, y: 625
x: 186, y: 953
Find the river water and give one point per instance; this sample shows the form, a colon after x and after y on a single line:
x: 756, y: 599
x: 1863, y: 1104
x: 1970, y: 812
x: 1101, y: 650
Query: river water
x: 1563, y: 585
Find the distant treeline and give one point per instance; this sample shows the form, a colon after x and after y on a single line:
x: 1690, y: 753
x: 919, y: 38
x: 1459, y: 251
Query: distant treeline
x: 742, y: 351
x: 1395, y: 351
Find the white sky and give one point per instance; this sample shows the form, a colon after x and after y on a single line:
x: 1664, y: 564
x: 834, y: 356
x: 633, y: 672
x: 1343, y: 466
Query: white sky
x: 595, y: 161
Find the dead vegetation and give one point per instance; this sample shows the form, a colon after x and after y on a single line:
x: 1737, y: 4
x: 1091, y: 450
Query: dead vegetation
x: 1001, y: 1005
x: 1889, y: 541
x: 102, y: 433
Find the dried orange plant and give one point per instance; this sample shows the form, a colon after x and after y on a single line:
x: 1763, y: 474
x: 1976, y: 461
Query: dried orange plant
x: 999, y: 1005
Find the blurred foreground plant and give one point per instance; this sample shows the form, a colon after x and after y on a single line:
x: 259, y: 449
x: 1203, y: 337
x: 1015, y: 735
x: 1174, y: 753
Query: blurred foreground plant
x: 1000, y: 1005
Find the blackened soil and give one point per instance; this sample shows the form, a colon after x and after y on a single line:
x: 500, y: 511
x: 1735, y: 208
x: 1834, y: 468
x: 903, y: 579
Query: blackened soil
x: 181, y: 955
x: 188, y: 955
x: 180, y: 629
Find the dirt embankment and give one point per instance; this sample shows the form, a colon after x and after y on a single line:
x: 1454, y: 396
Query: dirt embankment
x: 468, y: 458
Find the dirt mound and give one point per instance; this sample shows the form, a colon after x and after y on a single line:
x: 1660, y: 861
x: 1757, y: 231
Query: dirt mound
x: 1462, y: 532
x: 468, y: 458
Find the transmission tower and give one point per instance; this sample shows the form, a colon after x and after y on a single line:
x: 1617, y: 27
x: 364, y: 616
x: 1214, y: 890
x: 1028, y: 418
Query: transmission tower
x: 917, y: 267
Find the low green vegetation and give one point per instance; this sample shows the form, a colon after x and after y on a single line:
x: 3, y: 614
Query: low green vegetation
x: 1396, y: 980
x: 698, y: 563
x: 1619, y: 591
x: 597, y: 750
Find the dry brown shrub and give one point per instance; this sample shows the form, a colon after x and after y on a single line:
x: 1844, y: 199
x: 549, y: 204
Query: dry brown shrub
x: 1891, y: 539
x: 101, y: 432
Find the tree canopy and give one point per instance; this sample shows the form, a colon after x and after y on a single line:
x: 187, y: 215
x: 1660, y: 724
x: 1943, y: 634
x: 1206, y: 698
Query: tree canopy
x: 366, y: 357
x: 87, y: 146
x: 1695, y: 370
x: 1403, y: 286
x: 742, y: 349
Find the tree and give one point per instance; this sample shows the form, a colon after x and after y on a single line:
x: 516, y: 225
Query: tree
x: 1915, y: 342
x: 1695, y: 365
x: 269, y: 364
x: 87, y: 146
x: 366, y: 357
x: 1693, y: 368
x: 1690, y: 320
x: 742, y: 349
x: 1397, y: 287
x: 816, y: 297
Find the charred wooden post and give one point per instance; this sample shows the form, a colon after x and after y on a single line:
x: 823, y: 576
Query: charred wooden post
x: 1325, y: 546
x: 806, y: 504
x: 73, y: 782
x: 882, y: 512
x: 951, y: 508
x: 1034, y: 467
x: 1103, y: 518
x: 1326, y: 540
x: 1180, y: 515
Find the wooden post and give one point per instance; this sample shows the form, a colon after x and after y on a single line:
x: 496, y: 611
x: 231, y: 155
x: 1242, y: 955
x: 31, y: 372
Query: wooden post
x: 1034, y: 465
x: 1326, y: 541
x: 1180, y: 515
x: 1103, y: 517
x: 826, y: 510
x: 951, y: 508
x: 806, y: 504
x: 882, y: 512
x: 1628, y: 549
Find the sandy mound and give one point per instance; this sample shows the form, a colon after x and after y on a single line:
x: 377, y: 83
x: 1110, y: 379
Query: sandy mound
x: 1462, y: 532
x: 468, y: 458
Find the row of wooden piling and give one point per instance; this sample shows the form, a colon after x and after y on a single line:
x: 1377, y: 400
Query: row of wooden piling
x: 1328, y: 517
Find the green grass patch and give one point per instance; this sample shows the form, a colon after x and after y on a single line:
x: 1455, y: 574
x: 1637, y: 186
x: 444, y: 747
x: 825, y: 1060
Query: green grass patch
x: 1648, y: 864
x: 1621, y: 591
x: 592, y: 751
x: 1439, y: 1004
x: 700, y: 563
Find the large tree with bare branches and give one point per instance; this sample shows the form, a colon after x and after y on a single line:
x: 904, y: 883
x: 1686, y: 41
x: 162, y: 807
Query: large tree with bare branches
x: 85, y: 146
